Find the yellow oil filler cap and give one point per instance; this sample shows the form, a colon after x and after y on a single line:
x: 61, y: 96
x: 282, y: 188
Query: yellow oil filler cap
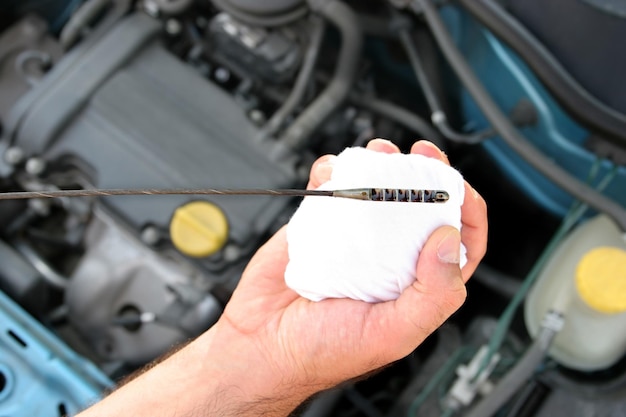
x: 601, y: 279
x: 199, y: 229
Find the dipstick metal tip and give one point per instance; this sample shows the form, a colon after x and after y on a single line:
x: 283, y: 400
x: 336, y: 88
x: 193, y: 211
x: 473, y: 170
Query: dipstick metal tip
x: 400, y: 195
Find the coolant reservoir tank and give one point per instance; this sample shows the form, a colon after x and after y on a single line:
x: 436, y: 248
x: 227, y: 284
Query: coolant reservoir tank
x: 586, y: 280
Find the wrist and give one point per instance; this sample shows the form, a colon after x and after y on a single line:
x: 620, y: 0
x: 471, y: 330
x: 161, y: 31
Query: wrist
x: 221, y: 373
x: 258, y: 383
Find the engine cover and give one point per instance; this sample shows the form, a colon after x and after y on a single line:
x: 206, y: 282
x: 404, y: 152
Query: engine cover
x: 130, y: 114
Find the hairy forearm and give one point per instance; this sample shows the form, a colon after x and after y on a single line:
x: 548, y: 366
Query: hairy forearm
x: 218, y: 374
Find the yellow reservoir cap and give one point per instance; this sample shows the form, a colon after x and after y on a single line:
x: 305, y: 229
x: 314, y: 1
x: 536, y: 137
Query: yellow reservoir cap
x: 601, y: 279
x: 199, y: 229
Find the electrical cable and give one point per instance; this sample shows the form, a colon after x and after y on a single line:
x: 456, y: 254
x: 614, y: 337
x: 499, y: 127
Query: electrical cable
x: 337, y: 91
x: 438, y: 116
x: 296, y: 95
x: 503, y: 126
x: 581, y: 104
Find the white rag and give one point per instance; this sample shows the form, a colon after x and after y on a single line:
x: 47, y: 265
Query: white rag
x: 368, y: 250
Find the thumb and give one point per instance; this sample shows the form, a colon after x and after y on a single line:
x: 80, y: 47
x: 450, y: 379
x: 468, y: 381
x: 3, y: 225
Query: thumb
x: 438, y: 272
x: 434, y: 296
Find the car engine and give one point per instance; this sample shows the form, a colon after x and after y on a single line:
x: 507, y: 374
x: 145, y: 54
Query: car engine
x: 166, y: 94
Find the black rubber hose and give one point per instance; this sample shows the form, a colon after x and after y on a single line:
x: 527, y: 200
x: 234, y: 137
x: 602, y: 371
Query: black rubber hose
x: 404, y: 35
x: 581, y: 104
x: 399, y: 115
x: 517, y: 376
x: 438, y: 116
x: 339, y: 87
x: 497, y: 281
x: 302, y: 81
x: 501, y: 124
x: 530, y: 399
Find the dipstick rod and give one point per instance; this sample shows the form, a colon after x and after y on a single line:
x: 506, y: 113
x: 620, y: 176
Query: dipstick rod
x: 371, y: 194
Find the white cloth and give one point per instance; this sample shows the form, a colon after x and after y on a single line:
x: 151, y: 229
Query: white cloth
x: 368, y: 250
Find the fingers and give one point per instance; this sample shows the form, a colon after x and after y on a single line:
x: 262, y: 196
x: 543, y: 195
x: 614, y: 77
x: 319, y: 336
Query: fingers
x: 436, y: 294
x: 473, y: 213
x: 382, y: 145
x: 429, y: 149
x: 323, y: 166
x: 474, y: 229
x: 320, y: 171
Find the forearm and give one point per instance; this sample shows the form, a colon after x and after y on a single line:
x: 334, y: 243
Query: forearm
x: 218, y: 374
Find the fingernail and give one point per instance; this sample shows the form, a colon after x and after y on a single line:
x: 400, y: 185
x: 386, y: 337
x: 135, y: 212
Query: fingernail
x: 324, y: 169
x: 429, y: 144
x: 428, y: 149
x: 381, y: 140
x: 449, y: 249
x: 424, y: 142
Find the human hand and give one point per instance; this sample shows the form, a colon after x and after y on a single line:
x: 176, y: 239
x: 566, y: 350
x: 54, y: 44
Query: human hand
x: 316, y: 345
x: 271, y: 349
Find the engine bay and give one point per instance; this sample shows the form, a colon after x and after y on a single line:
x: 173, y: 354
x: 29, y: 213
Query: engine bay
x: 240, y: 94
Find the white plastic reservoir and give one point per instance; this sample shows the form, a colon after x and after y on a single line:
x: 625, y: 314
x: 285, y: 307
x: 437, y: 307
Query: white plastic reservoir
x: 586, y: 280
